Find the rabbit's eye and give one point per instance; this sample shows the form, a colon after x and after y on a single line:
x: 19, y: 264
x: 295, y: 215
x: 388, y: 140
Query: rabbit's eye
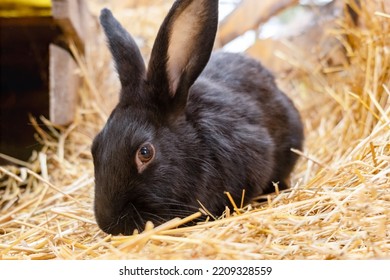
x: 145, y: 153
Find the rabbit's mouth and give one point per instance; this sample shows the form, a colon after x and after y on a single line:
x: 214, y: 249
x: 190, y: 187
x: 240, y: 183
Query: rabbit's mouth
x: 134, y: 217
x: 126, y: 221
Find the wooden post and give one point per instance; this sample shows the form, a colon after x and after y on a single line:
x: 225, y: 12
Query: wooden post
x: 72, y: 17
x: 64, y: 83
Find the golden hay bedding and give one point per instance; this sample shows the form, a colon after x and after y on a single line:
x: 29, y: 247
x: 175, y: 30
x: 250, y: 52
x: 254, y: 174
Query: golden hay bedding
x: 338, y: 206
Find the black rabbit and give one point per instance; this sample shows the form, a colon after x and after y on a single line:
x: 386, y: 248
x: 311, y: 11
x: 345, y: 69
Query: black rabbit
x: 190, y: 127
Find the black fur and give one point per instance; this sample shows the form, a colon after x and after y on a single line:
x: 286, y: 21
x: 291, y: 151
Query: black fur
x: 228, y: 129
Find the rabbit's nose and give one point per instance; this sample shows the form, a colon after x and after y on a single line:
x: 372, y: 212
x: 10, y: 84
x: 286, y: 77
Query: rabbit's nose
x: 115, y: 222
x: 113, y: 225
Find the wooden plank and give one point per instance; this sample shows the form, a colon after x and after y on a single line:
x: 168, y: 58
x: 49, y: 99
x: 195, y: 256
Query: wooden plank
x: 249, y: 15
x: 302, y: 42
x: 64, y: 82
x: 72, y: 17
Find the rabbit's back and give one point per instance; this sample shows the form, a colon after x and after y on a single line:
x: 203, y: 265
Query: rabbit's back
x: 238, y: 105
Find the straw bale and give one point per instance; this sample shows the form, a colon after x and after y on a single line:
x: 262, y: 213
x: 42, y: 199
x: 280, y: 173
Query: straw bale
x: 337, y: 208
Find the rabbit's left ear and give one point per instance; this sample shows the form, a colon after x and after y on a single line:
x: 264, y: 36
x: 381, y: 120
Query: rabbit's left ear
x: 182, y: 49
x: 127, y: 56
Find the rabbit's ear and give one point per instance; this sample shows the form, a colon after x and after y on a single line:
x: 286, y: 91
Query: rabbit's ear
x: 126, y: 54
x: 182, y: 49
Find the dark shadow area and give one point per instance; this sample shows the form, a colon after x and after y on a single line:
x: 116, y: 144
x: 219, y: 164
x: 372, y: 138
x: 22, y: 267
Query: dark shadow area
x: 24, y: 62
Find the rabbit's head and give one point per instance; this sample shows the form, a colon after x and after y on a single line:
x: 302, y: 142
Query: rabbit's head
x: 141, y: 156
